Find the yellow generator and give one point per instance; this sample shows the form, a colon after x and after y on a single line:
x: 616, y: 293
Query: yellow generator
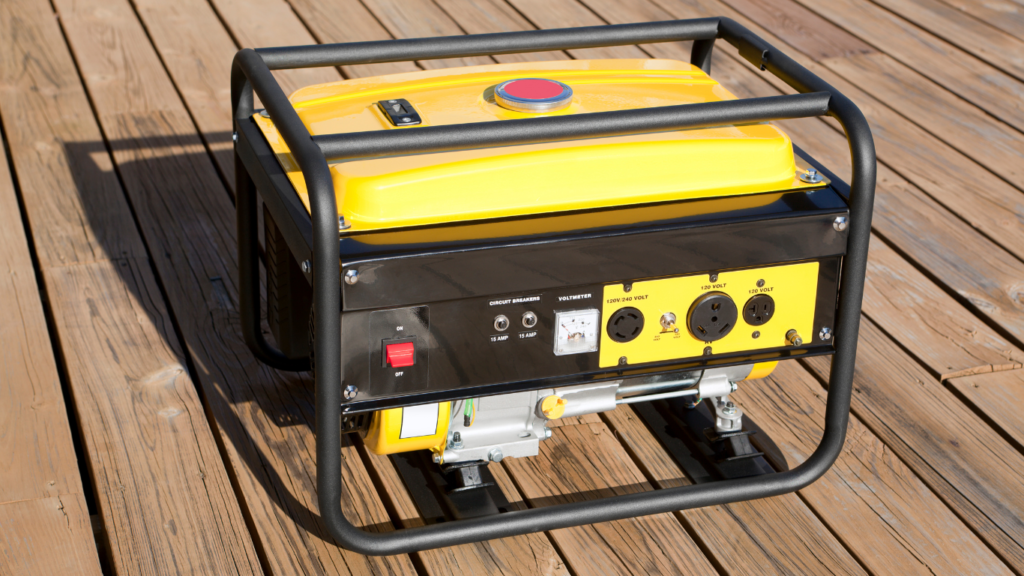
x: 463, y: 256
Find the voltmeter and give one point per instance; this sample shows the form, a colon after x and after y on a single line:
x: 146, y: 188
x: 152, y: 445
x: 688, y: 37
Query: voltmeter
x: 576, y: 331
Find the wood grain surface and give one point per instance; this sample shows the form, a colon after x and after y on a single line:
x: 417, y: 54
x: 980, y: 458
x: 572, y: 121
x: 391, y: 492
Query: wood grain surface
x: 963, y: 460
x: 585, y: 461
x: 779, y: 535
x: 1000, y: 49
x: 870, y: 499
x: 999, y: 396
x: 940, y: 60
x: 47, y: 536
x: 163, y: 494
x: 518, y: 555
x: 39, y: 475
x: 116, y: 116
x: 918, y: 129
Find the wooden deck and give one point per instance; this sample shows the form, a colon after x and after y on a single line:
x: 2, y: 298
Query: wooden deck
x: 138, y: 435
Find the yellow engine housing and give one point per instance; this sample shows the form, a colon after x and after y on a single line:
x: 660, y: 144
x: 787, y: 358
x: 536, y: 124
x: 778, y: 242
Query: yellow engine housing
x: 542, y: 178
x: 402, y: 429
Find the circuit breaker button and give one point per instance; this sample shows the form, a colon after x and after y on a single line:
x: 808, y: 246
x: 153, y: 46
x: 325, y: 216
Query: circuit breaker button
x: 400, y: 355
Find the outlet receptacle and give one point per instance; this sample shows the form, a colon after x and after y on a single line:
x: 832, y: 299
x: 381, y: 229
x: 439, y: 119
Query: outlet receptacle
x: 625, y: 324
x: 712, y: 316
x: 758, y: 310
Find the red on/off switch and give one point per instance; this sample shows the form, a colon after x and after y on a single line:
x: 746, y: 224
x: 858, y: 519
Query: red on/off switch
x: 400, y: 355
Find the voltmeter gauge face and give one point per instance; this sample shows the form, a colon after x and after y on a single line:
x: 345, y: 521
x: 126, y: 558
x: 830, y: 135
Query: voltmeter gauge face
x: 576, y: 331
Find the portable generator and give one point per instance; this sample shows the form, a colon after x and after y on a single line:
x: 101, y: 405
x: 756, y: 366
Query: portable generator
x: 463, y: 256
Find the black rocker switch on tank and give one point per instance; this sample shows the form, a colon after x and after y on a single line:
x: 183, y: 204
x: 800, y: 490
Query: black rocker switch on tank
x: 400, y: 112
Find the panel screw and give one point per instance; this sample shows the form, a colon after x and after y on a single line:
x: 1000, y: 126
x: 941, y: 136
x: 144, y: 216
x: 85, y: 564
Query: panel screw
x: 351, y: 277
x: 547, y: 432
x: 707, y: 350
x: 264, y: 113
x: 811, y: 176
x: 307, y: 267
x: 437, y: 458
x: 627, y: 287
x: 350, y: 392
x: 756, y: 334
x: 825, y: 334
x: 495, y: 455
x: 343, y: 224
x: 794, y: 338
x: 623, y: 361
x: 760, y: 283
x: 839, y: 223
x: 714, y: 277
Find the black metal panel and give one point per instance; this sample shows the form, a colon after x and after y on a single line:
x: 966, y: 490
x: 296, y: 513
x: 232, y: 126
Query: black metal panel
x: 789, y: 229
x: 275, y: 188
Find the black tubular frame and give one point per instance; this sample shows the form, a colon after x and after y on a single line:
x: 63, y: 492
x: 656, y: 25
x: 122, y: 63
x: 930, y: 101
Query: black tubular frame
x: 251, y: 71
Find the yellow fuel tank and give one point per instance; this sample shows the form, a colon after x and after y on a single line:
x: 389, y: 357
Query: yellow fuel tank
x: 499, y: 182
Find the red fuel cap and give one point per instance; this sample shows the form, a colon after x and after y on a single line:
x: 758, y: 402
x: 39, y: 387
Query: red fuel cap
x: 533, y: 95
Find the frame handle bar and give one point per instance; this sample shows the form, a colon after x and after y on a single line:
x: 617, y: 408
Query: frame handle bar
x: 378, y: 143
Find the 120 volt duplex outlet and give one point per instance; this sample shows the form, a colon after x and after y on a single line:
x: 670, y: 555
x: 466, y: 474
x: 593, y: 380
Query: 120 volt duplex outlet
x: 712, y: 316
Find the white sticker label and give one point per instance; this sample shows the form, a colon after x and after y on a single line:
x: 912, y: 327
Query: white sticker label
x: 419, y: 421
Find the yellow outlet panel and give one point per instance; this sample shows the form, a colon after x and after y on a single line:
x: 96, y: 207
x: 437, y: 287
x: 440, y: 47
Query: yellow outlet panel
x: 793, y: 287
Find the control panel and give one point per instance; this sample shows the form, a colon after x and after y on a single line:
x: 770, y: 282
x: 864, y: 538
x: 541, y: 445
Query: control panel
x: 563, y: 332
x: 701, y: 315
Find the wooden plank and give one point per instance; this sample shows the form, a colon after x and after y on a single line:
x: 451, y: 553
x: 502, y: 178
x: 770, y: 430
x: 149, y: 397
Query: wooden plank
x: 931, y: 153
x: 419, y: 18
x: 37, y: 457
x: 348, y: 21
x: 802, y: 29
x: 779, y: 535
x: 870, y: 499
x: 519, y: 555
x: 964, y: 461
x: 39, y: 476
x: 998, y: 48
x: 1000, y: 396
x: 581, y: 462
x: 488, y: 16
x: 187, y: 218
x: 930, y: 324
x: 197, y: 52
x: 1006, y: 15
x: 183, y: 34
x: 543, y: 14
x: 162, y: 491
x: 47, y: 536
x: 946, y: 64
x: 44, y: 110
x: 264, y: 24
